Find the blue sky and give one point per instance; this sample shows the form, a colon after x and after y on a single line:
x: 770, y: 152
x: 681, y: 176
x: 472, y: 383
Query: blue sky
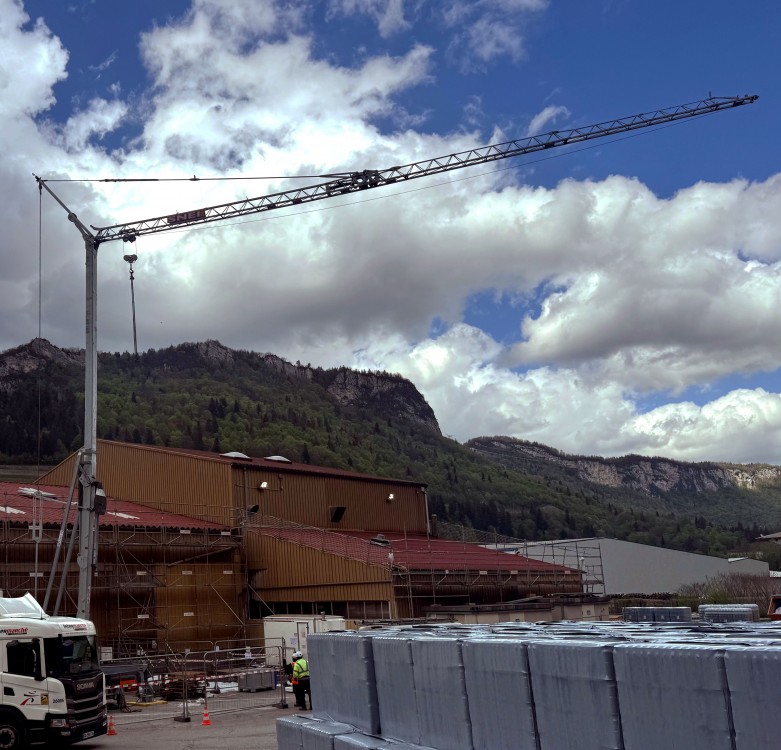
x: 611, y: 299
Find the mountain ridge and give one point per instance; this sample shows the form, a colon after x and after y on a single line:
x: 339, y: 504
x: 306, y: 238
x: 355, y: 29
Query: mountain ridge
x: 654, y: 474
x: 207, y: 396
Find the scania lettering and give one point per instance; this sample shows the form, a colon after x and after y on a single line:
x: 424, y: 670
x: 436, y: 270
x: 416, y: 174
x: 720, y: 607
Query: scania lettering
x: 51, y: 687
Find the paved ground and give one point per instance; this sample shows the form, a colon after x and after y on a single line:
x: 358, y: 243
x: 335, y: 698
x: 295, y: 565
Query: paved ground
x: 252, y: 729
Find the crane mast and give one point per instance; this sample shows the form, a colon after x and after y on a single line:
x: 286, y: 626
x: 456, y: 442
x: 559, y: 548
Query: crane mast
x: 92, y: 498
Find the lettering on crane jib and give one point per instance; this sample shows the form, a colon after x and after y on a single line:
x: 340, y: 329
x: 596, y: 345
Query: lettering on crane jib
x: 184, y: 217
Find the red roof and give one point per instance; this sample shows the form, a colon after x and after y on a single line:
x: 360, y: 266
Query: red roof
x: 18, y: 507
x: 412, y: 551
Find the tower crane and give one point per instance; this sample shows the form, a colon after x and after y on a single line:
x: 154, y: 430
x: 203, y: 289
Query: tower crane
x: 92, y: 497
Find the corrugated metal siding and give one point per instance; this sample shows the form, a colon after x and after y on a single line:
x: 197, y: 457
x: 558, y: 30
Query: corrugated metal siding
x: 208, y: 594
x: 308, y: 499
x: 297, y: 569
x: 171, y: 482
x: 213, y: 490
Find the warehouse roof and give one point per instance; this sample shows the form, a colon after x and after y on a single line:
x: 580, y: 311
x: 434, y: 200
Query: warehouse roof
x: 419, y: 551
x: 17, y: 503
x: 412, y: 551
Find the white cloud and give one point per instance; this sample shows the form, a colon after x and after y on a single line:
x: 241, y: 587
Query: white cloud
x: 638, y: 294
x: 99, y: 118
x: 657, y: 286
x: 550, y: 114
x: 27, y: 89
x: 388, y: 14
x: 480, y: 32
x: 576, y: 410
x: 105, y: 64
x: 487, y: 30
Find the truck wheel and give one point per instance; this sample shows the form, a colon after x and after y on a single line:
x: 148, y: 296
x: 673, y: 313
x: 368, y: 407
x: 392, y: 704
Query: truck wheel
x: 12, y: 735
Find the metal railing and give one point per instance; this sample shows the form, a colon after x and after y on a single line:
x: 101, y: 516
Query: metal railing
x: 191, y: 685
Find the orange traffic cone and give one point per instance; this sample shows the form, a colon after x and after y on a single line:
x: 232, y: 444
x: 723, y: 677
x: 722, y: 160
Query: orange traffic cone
x: 207, y: 722
x: 112, y: 729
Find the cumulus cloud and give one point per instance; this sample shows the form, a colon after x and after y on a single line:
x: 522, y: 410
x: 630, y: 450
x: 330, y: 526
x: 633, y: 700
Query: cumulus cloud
x: 480, y: 32
x: 621, y: 294
x: 388, y: 14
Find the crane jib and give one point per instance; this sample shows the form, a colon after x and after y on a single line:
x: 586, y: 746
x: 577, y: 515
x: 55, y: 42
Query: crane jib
x: 372, y: 178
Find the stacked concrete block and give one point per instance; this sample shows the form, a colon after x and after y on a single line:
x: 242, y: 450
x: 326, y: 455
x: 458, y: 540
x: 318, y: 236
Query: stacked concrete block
x: 289, y: 734
x: 575, y: 698
x: 496, y: 674
x: 729, y: 612
x: 440, y: 691
x: 753, y: 680
x: 321, y: 735
x: 526, y: 686
x: 657, y: 614
x: 396, y: 690
x: 346, y: 690
x: 673, y: 696
x: 362, y: 742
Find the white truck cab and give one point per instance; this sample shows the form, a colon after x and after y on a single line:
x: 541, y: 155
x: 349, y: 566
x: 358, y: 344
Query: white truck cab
x: 51, y: 687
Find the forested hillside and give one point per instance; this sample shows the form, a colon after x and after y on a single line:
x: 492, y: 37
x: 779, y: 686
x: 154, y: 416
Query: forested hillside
x: 209, y: 397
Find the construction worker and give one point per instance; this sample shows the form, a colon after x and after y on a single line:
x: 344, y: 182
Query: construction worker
x: 301, y: 681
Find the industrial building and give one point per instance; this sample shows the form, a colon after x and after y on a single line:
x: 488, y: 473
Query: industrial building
x: 197, y: 547
x: 615, y: 567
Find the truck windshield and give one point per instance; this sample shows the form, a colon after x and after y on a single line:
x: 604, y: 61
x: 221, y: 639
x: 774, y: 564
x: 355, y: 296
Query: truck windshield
x: 69, y: 655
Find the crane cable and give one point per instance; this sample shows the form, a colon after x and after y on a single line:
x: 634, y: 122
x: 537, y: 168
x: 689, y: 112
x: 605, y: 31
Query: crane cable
x: 385, y: 196
x: 40, y: 298
x: 338, y: 175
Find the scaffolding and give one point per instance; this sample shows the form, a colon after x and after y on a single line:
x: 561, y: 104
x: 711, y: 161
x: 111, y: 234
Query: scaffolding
x: 472, y: 568
x: 584, y: 554
x: 155, y: 587
x: 161, y: 586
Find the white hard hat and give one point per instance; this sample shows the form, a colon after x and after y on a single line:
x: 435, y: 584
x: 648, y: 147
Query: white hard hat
x: 298, y: 655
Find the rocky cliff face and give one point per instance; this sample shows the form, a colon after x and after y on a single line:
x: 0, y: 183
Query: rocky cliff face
x: 30, y: 358
x: 652, y: 476
x: 391, y: 395
x: 214, y: 351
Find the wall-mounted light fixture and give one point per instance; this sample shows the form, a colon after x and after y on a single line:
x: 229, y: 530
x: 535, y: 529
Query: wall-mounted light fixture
x: 263, y: 487
x: 389, y: 498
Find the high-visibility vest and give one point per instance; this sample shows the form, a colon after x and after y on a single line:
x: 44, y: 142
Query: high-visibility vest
x: 300, y: 669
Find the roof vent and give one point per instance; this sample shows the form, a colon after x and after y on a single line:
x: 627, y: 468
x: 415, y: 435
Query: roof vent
x: 281, y: 459
x: 380, y: 540
x: 236, y: 454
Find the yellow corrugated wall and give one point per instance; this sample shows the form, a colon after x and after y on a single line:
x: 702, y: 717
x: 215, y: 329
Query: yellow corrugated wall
x: 172, y: 482
x: 309, y: 499
x: 213, y: 490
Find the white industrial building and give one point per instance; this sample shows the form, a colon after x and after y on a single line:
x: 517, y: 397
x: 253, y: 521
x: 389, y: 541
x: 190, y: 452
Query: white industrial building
x: 615, y: 567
